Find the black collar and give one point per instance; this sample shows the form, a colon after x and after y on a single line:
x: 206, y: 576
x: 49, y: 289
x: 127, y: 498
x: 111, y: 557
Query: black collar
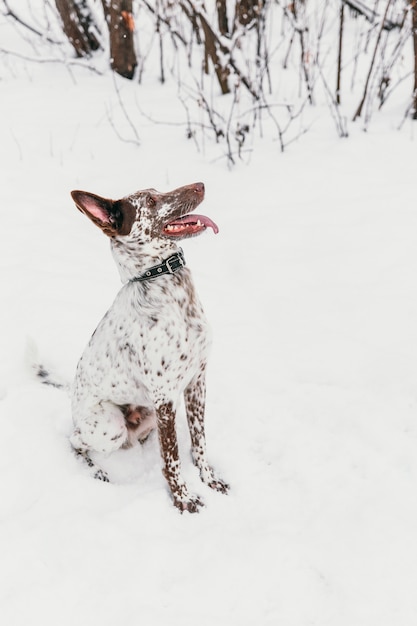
x: 169, y: 266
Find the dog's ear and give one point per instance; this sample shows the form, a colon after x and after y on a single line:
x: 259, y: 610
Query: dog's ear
x: 103, y: 212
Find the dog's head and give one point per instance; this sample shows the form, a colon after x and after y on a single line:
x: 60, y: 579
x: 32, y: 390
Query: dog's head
x: 147, y: 215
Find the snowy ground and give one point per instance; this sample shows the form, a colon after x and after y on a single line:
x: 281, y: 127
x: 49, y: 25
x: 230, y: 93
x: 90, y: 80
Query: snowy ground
x: 312, y: 401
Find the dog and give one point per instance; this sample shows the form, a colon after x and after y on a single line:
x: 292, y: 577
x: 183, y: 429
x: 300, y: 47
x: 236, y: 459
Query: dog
x: 151, y: 347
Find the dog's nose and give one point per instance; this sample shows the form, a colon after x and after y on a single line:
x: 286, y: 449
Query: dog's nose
x: 199, y: 187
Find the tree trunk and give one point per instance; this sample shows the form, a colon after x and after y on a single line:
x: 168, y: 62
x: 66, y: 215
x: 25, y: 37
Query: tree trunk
x: 248, y: 11
x: 221, y: 6
x: 78, y: 25
x: 212, y: 49
x: 121, y: 26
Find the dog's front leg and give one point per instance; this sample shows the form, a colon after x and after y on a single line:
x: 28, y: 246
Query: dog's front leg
x: 195, y: 402
x: 183, y: 500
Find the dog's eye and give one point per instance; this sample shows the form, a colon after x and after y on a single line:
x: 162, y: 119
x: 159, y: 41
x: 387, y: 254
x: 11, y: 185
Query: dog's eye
x: 150, y: 201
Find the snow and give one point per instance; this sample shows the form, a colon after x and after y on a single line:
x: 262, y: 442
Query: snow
x: 312, y: 393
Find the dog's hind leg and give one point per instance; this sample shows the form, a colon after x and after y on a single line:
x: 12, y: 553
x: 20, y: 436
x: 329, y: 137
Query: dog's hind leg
x: 101, y: 428
x: 195, y: 400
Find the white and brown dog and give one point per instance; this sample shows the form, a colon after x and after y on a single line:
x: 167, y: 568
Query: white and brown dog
x: 151, y: 347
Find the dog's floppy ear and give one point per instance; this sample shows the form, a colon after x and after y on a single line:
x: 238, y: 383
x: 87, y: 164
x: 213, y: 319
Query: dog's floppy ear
x: 103, y: 212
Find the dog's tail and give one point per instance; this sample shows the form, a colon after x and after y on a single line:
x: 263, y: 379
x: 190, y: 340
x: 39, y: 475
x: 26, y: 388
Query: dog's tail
x: 46, y: 378
x: 37, y: 369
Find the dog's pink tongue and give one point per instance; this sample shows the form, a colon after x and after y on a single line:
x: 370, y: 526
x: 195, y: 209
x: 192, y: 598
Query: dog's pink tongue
x: 207, y: 222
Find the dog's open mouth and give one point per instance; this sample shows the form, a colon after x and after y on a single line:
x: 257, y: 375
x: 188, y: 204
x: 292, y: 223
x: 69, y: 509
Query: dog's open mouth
x: 189, y: 225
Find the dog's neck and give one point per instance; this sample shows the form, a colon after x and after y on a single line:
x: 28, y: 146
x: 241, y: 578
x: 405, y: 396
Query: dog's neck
x: 133, y: 258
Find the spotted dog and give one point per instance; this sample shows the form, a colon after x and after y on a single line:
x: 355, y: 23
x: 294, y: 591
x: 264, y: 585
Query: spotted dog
x: 151, y: 347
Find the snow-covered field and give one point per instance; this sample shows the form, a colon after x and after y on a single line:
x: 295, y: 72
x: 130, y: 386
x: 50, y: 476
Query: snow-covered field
x: 311, y: 290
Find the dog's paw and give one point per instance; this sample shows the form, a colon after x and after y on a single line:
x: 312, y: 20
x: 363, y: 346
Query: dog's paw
x: 191, y: 504
x: 102, y: 475
x: 219, y: 485
x: 208, y: 476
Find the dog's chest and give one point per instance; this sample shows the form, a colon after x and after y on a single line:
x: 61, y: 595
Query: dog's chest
x: 169, y: 324
x: 157, y: 338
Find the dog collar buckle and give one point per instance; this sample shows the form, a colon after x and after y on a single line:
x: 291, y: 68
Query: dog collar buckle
x: 168, y: 264
x: 175, y: 258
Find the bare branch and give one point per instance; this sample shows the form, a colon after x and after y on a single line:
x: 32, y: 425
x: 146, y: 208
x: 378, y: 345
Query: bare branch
x: 19, y: 20
x: 365, y: 93
x: 371, y: 15
x: 225, y: 50
x: 69, y: 62
x: 136, y: 139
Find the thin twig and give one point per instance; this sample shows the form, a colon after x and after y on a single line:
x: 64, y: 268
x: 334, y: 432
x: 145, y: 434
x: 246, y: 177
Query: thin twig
x: 365, y: 93
x: 11, y: 13
x: 125, y: 113
x: 73, y: 62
